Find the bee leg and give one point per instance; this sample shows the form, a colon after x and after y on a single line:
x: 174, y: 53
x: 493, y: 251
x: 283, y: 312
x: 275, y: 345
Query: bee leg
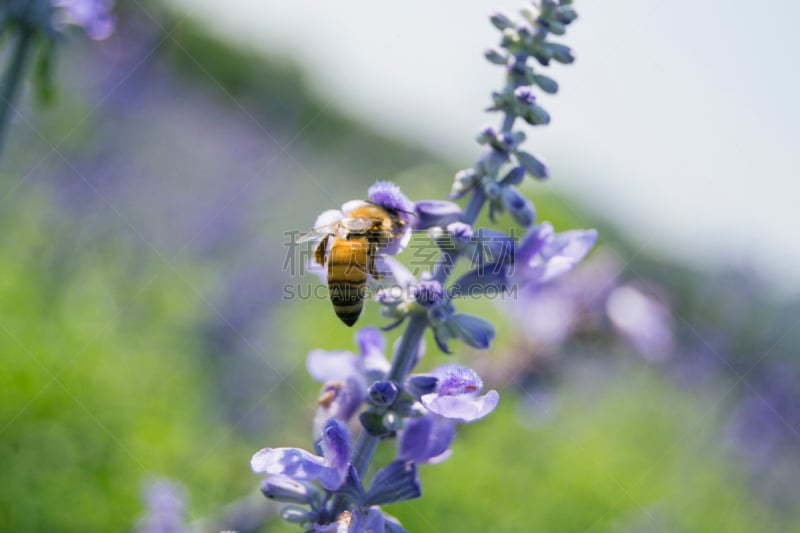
x: 373, y: 270
x: 319, y: 252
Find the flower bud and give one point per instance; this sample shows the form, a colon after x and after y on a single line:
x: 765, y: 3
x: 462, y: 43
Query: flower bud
x: 464, y: 181
x: 552, y: 26
x: 285, y: 489
x: 461, y: 232
x: 524, y: 95
x: 529, y: 12
x: 429, y: 293
x: 562, y: 54
x: 494, y: 56
x: 432, y: 213
x: 566, y: 14
x: 382, y: 393
x: 486, y: 135
x: 534, y: 165
x: 536, y: 115
x: 520, y: 209
x: 297, y: 515
x: 548, y: 85
x: 514, y: 176
x: 492, y: 190
x: 501, y: 21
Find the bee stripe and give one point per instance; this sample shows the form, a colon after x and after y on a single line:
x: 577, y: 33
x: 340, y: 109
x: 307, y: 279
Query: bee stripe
x: 347, y: 278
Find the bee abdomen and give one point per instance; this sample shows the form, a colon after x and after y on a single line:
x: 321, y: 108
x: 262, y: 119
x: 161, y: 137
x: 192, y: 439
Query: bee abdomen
x: 347, y: 278
x: 347, y: 298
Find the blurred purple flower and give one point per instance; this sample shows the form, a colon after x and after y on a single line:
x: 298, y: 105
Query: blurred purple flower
x: 93, y: 16
x: 166, y: 509
x: 641, y: 319
x: 544, y: 255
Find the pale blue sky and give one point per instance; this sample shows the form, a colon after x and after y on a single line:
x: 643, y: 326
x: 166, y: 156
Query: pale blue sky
x: 679, y: 120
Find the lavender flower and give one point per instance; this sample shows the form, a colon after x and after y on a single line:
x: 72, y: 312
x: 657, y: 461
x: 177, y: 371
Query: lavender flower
x: 346, y: 375
x: 166, y: 509
x: 426, y: 439
x: 543, y: 255
x: 423, y: 409
x: 93, y: 16
x: 457, y: 395
x: 299, y: 465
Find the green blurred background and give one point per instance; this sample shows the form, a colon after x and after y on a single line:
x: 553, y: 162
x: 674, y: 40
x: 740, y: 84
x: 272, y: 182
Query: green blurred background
x: 145, y: 332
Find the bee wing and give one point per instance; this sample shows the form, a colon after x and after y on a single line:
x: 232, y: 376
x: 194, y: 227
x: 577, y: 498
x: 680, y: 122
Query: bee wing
x: 317, y: 234
x: 358, y: 225
x: 327, y: 223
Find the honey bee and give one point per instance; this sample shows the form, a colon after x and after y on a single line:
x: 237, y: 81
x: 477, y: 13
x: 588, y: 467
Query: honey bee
x: 355, y: 242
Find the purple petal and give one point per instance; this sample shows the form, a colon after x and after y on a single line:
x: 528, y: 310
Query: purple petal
x: 286, y: 489
x: 533, y: 242
x: 341, y: 399
x: 462, y: 408
x: 461, y: 232
x: 573, y: 244
x: 370, y: 522
x: 372, y: 347
x: 433, y: 213
x: 473, y: 330
x: 297, y: 464
x: 426, y: 439
x: 398, y: 282
x: 456, y: 379
x: 396, y: 482
x: 644, y: 321
x: 324, y: 366
x: 392, y: 525
x: 335, y: 445
x: 387, y: 194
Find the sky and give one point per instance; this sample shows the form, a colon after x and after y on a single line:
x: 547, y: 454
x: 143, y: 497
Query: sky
x: 678, y: 120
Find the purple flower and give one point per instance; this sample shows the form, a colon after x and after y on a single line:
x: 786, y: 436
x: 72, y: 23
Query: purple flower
x: 339, y: 364
x: 544, y: 255
x: 426, y: 439
x: 433, y: 213
x: 94, y: 16
x: 347, y: 375
x: 389, y: 195
x: 461, y: 232
x: 166, y: 510
x: 457, y: 395
x: 642, y: 320
x: 429, y: 292
x: 285, y: 489
x: 524, y: 95
x: 297, y: 464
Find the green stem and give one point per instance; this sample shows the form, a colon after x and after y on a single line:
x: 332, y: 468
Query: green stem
x: 13, y: 80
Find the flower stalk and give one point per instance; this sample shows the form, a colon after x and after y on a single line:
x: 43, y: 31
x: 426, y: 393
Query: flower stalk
x: 422, y: 410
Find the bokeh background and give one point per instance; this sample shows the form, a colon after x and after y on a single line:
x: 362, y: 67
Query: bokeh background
x: 145, y: 328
